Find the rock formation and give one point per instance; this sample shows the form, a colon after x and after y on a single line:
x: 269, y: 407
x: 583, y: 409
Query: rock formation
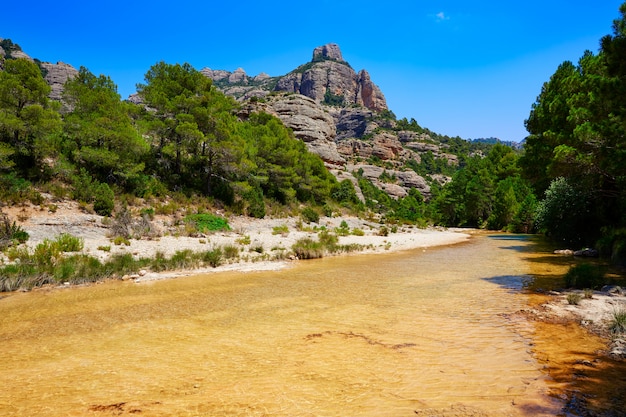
x: 309, y: 122
x: 56, y: 75
x: 335, y: 111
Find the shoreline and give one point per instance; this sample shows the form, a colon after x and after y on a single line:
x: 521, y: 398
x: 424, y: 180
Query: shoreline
x: 260, y: 243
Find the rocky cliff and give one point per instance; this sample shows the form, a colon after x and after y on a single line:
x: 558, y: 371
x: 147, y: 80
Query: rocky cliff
x: 337, y: 112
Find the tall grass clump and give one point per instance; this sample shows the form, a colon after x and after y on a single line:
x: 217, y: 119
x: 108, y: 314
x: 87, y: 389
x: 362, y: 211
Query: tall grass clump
x: 183, y: 259
x: 307, y: 248
x: 213, y: 257
x: 618, y: 323
x: 584, y: 276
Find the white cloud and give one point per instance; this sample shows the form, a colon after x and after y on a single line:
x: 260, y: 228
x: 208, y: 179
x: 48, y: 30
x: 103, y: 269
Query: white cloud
x: 441, y: 16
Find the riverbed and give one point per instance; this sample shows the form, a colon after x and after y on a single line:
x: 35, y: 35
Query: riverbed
x: 426, y: 332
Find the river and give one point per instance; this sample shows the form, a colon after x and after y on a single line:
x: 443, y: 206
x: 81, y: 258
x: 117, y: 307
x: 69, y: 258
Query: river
x: 425, y: 332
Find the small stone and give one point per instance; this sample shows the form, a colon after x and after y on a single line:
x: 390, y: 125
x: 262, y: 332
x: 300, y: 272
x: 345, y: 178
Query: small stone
x: 142, y: 272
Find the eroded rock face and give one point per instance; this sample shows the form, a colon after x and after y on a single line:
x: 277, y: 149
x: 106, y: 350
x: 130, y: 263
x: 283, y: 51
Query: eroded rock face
x: 56, y: 76
x: 309, y: 122
x: 329, y: 73
x: 328, y: 51
x: 401, y: 181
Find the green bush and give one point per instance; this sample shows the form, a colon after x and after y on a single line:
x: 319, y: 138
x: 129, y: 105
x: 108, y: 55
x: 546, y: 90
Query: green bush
x: 358, y: 232
x: 16, y: 190
x: 204, y: 222
x: 10, y: 232
x: 256, y: 205
x: 104, y: 200
x: 121, y: 264
x: 69, y: 243
x: 213, y: 257
x: 584, y: 276
x: 574, y: 298
x: 343, y: 229
x: 183, y: 259
x: 310, y: 215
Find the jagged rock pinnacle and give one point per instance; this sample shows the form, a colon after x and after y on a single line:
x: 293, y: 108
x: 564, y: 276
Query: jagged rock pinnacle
x: 328, y: 51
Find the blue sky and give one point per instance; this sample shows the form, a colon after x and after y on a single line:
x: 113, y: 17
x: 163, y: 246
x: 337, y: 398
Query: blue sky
x: 460, y: 68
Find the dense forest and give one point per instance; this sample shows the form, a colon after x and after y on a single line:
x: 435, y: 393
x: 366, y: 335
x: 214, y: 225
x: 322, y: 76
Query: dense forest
x: 188, y: 140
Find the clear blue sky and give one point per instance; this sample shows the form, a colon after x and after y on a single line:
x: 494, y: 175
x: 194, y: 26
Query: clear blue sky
x: 466, y: 68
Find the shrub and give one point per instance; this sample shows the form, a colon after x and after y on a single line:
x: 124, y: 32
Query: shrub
x: 256, y: 205
x: 69, y: 243
x: 14, y: 189
x: 45, y: 254
x: 104, y: 200
x: 205, y: 222
x: 183, y: 259
x: 328, y: 240
x: 574, y: 298
x: 309, y: 215
x: 257, y: 248
x: 121, y: 264
x: 307, y: 248
x: 584, y: 276
x: 11, y: 232
x: 231, y: 251
x: 383, y: 231
x: 159, y: 262
x: 213, y: 257
x: 564, y: 214
x: 343, y: 229
x: 119, y: 240
x: 358, y: 232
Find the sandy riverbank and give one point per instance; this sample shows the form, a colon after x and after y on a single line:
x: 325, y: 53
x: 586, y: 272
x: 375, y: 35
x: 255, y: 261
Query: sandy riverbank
x: 266, y: 250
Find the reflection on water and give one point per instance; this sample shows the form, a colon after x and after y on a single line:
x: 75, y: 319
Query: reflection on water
x: 381, y: 335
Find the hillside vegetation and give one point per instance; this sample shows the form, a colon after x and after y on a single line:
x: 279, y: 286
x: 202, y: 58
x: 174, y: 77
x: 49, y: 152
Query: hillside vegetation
x: 189, y: 141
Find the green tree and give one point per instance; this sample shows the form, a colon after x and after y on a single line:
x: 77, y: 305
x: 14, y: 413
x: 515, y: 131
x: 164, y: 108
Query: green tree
x: 565, y: 212
x: 577, y: 131
x: 100, y: 136
x: 29, y: 122
x: 192, y: 126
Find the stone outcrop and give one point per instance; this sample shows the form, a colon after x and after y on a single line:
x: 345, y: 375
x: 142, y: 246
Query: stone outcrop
x: 400, y: 181
x: 56, y: 76
x: 326, y: 75
x: 309, y: 122
x: 328, y: 51
x: 336, y: 112
x: 329, y: 74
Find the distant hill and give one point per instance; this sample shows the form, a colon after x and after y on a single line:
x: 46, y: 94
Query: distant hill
x: 493, y: 141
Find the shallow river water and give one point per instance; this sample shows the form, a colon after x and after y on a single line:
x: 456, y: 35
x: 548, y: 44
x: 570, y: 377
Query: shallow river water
x: 424, y: 332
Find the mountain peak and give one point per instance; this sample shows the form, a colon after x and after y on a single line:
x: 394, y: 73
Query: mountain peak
x: 328, y: 51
